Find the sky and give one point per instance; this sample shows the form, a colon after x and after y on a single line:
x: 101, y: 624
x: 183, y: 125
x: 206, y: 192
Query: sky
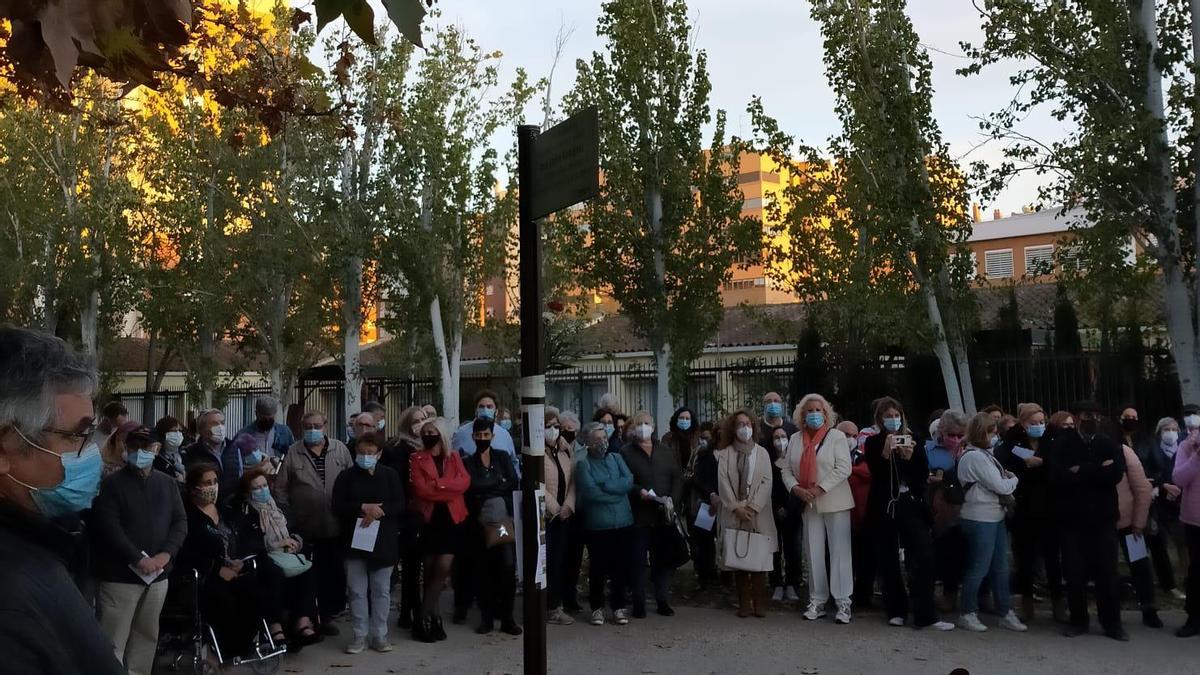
x: 769, y: 48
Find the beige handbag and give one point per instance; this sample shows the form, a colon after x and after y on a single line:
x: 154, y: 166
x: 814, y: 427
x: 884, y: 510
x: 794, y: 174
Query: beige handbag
x: 746, y: 550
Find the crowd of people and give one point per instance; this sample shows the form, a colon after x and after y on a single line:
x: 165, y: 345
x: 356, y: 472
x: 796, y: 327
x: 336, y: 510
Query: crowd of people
x: 803, y: 507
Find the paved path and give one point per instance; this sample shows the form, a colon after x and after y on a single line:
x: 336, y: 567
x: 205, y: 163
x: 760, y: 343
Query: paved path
x: 702, y: 641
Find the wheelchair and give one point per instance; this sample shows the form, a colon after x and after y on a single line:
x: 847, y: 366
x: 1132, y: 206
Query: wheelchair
x: 190, y: 644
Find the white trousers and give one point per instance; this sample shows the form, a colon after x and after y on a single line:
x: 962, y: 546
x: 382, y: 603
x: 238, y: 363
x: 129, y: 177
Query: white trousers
x: 838, y: 578
x: 129, y: 616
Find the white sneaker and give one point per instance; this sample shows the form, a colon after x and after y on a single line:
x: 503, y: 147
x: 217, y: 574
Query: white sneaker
x: 356, y: 647
x: 1178, y: 594
x: 896, y: 621
x: 381, y: 646
x: 971, y: 622
x: 1011, y: 622
x: 620, y: 617
x: 777, y: 596
x: 791, y: 595
x: 815, y: 611
x: 558, y: 617
x: 598, y: 617
x: 943, y: 626
x: 843, y: 613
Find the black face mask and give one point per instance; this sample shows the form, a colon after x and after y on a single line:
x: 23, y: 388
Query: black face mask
x: 1088, y: 427
x: 265, y: 425
x: 1129, y: 425
x: 482, y: 446
x: 430, y: 441
x: 568, y: 436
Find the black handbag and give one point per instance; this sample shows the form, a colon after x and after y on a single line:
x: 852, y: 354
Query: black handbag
x: 671, y: 546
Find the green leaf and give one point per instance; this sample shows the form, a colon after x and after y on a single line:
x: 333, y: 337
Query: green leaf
x: 361, y: 19
x: 329, y: 10
x: 407, y: 15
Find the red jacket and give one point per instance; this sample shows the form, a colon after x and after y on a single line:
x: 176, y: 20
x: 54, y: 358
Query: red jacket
x: 860, y: 487
x: 430, y: 489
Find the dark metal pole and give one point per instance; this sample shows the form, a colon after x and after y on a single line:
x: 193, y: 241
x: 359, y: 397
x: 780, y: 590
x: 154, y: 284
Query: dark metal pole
x: 533, y: 404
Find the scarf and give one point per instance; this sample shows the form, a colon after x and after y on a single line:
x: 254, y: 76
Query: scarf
x: 743, y: 469
x: 273, y: 524
x: 1169, y: 450
x: 808, y: 461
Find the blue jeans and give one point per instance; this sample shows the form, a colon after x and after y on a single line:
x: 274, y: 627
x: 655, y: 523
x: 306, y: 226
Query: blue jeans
x: 370, y: 594
x: 987, y: 557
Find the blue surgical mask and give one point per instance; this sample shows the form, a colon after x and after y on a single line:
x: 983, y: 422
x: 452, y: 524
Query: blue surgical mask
x: 313, y: 436
x: 140, y: 459
x: 1036, y: 430
x: 261, y: 495
x: 683, y: 423
x: 814, y: 420
x: 253, y: 459
x: 485, y: 413
x: 366, y: 462
x: 80, y: 483
x: 995, y: 441
x: 773, y: 409
x: 506, y: 424
x: 891, y: 424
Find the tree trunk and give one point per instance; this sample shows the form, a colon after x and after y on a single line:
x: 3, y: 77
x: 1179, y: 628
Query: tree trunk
x: 941, y: 348
x: 208, y: 366
x: 662, y: 351
x: 352, y: 294
x: 663, y: 401
x: 1181, y: 326
x: 449, y: 382
x: 276, y: 352
x: 148, y: 397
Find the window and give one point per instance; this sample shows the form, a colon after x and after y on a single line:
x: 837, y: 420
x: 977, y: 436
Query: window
x: 745, y: 284
x: 1039, y: 260
x: 1070, y: 259
x: 755, y: 203
x: 998, y: 264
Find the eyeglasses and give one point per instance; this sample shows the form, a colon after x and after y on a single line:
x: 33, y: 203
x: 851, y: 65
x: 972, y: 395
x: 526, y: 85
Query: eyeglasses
x: 84, y: 435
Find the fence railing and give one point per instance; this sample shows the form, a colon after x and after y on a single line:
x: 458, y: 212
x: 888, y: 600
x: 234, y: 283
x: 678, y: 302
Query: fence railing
x: 1145, y: 380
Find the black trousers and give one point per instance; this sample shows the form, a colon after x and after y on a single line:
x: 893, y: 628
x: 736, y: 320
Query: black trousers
x: 410, y: 569
x: 1142, y: 573
x: 559, y: 534
x: 573, y: 563
x: 611, y: 555
x: 1090, y: 553
x: 862, y: 543
x: 463, y: 569
x: 329, y: 564
x: 1158, y: 543
x: 910, y: 529
x: 1034, y: 539
x: 1193, y: 579
x: 496, y: 570
x: 704, y: 553
x: 788, y: 569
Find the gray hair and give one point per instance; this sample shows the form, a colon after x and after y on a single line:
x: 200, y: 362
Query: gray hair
x: 568, y: 416
x: 266, y: 405
x: 200, y: 419
x: 1162, y: 423
x: 34, y: 368
x: 952, y: 418
x: 593, y: 427
x: 609, y: 401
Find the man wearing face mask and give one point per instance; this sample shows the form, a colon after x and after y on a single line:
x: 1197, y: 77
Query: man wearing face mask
x: 655, y: 470
x: 486, y: 409
x: 1084, y: 471
x: 212, y: 447
x: 1133, y: 435
x: 139, y: 526
x: 272, y: 438
x: 772, y: 419
x: 49, y: 472
x: 304, y: 490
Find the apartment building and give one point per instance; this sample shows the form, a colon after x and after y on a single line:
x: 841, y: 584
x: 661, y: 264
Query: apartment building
x: 1021, y: 245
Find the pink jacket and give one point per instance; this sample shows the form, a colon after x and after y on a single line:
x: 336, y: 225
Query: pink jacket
x: 1187, y: 477
x: 1133, y: 492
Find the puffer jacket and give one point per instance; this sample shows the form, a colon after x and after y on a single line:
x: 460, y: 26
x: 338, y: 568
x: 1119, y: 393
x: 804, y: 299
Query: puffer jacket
x: 602, y: 492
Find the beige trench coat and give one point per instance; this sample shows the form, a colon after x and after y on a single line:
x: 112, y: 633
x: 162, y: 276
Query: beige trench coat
x: 759, y: 497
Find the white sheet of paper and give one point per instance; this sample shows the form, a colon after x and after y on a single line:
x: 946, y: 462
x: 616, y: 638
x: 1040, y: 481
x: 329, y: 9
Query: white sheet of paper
x: 364, y: 537
x: 146, y: 578
x: 705, y: 518
x: 539, y: 576
x: 1023, y: 453
x: 1136, y: 546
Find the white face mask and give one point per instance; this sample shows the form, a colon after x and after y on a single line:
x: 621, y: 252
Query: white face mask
x: 744, y: 433
x: 173, y: 439
x: 1192, y: 421
x: 780, y: 443
x: 644, y: 431
x: 217, y: 434
x: 551, y: 435
x: 1170, y: 437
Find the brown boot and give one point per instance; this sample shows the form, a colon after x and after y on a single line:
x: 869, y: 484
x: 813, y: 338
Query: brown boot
x: 758, y: 591
x: 1027, y: 607
x: 742, y: 581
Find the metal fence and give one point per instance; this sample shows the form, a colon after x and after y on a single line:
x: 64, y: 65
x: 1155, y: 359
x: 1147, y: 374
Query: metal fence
x: 1146, y: 381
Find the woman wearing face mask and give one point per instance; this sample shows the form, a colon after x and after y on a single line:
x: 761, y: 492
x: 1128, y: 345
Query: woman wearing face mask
x: 1186, y: 475
x: 113, y: 451
x: 169, y: 431
x: 607, y: 418
x: 681, y: 438
x: 602, y: 490
x: 367, y: 494
x: 702, y: 488
x: 408, y: 441
x: 948, y: 545
x: 438, y: 481
x: 655, y: 470
x: 815, y: 469
x: 787, y: 569
x: 559, y: 471
x: 232, y: 601
x: 1034, y: 533
x: 262, y: 531
x: 1164, y: 510
x: 744, y: 483
x: 988, y: 488
x: 899, y: 517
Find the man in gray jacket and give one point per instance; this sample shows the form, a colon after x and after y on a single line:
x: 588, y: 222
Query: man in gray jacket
x: 303, y: 489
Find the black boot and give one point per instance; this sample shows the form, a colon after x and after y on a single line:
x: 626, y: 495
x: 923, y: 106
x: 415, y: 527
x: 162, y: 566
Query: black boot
x: 510, y: 626
x: 486, y: 624
x: 1189, y: 629
x: 439, y: 631
x: 1150, y: 619
x: 423, y: 629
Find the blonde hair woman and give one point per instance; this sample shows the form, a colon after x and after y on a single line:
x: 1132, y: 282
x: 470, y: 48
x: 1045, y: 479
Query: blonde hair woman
x: 816, y: 470
x: 744, y: 485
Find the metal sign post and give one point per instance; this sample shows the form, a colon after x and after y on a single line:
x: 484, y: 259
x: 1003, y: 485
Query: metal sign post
x: 554, y: 170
